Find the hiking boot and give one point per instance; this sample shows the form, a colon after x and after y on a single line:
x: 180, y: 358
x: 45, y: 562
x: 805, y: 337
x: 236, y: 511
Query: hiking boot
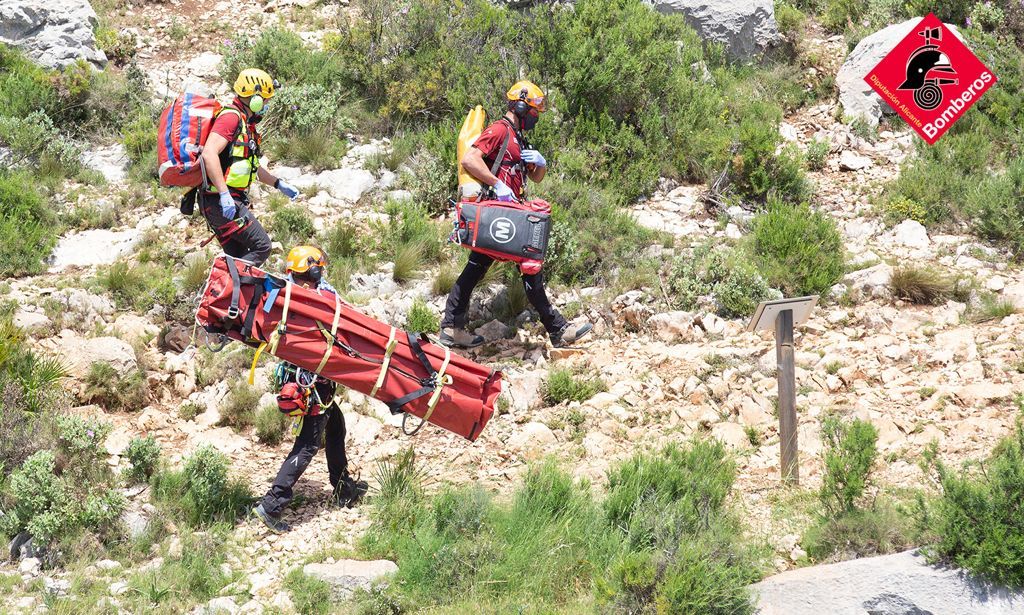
x: 460, y: 338
x: 570, y: 334
x: 349, y: 491
x: 274, y: 523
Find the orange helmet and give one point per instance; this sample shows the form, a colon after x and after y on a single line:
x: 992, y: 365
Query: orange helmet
x: 528, y: 92
x: 302, y: 258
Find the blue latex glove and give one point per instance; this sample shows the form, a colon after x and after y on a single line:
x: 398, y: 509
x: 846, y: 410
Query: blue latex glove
x: 287, y: 189
x: 532, y: 156
x: 503, y: 192
x: 228, y: 206
x: 325, y: 286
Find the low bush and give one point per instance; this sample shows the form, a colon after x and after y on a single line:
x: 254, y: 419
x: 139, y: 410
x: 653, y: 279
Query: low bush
x: 239, y: 406
x: 445, y: 280
x: 408, y: 260
x: 112, y: 390
x: 797, y: 250
x: 180, y: 582
x: 140, y: 287
x: 564, y: 384
x: 21, y: 434
x: 923, y: 285
x: 422, y: 318
x: 143, y: 455
x: 58, y: 494
x: 28, y: 227
x: 202, y: 493
x: 270, y: 424
x: 850, y: 524
x: 817, y: 154
x: 311, y: 596
x: 719, y: 279
x: 315, y: 148
x: 28, y: 382
x: 898, y: 209
x: 291, y: 225
x: 662, y: 540
x: 850, y: 454
x: 977, y: 515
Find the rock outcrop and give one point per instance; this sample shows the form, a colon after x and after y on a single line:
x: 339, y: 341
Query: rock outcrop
x: 54, y: 34
x: 745, y: 29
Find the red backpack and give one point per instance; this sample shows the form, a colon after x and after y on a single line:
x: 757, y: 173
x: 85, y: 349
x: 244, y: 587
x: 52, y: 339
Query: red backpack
x: 184, y: 126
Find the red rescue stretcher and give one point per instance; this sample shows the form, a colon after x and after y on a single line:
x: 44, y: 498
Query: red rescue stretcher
x: 321, y: 333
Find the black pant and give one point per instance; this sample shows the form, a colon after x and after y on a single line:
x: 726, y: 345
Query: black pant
x: 331, y: 424
x: 458, y: 299
x: 251, y: 243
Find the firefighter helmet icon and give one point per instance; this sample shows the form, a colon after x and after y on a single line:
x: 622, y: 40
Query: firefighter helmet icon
x: 927, y: 70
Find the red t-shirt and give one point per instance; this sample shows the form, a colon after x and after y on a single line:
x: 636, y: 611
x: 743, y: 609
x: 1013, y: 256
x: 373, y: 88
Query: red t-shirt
x: 489, y: 143
x: 227, y: 123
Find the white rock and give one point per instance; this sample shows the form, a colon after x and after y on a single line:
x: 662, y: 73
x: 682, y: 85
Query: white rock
x: 995, y: 284
x: 901, y: 584
x: 108, y: 564
x: 110, y: 161
x: 1014, y: 293
x: 852, y: 161
x: 745, y: 29
x: 54, y: 34
x: 910, y: 233
x: 531, y: 440
x: 93, y: 247
x: 29, y: 565
x: 206, y: 64
x: 31, y: 321
x: 671, y: 326
x: 731, y: 434
x: 224, y: 605
x: 131, y: 328
x: 57, y: 587
x: 78, y: 353
x: 118, y: 588
x: 347, y: 575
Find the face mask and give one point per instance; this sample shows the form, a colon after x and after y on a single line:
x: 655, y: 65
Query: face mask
x: 529, y: 121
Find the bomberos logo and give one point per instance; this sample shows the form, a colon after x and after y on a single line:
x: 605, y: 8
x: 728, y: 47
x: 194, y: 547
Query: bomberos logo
x: 930, y: 79
x: 502, y: 230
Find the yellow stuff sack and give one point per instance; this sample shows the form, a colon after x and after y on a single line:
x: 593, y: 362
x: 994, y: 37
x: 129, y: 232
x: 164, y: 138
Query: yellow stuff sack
x: 473, y: 125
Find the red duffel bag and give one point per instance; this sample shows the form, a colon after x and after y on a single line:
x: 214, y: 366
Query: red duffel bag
x: 320, y: 333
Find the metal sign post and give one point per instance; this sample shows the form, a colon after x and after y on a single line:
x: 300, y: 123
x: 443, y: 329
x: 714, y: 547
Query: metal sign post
x: 782, y: 315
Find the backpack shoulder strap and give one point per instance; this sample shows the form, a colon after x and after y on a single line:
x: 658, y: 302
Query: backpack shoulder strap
x: 501, y: 154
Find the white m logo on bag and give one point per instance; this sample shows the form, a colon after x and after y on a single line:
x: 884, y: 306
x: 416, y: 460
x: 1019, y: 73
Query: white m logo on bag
x: 502, y: 230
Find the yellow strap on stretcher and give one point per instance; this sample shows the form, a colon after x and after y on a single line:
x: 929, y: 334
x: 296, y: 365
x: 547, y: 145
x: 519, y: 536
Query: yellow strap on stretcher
x: 441, y: 380
x: 330, y: 339
x: 275, y: 337
x: 388, y: 350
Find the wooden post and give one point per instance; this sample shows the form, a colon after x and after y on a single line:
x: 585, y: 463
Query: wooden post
x: 787, y: 396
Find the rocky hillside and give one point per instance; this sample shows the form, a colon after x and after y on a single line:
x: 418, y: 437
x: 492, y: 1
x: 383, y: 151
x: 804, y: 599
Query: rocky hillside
x: 121, y: 282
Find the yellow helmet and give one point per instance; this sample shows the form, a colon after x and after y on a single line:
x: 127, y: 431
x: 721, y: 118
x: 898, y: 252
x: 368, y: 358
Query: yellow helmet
x: 302, y: 258
x: 255, y: 81
x: 528, y: 92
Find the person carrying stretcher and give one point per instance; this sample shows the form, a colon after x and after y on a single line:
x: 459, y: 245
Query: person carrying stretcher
x: 504, y: 140
x: 310, y: 399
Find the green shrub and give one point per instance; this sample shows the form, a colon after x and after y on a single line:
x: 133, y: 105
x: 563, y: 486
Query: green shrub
x: 409, y: 224
x: 315, y: 148
x: 724, y: 275
x: 992, y: 307
x: 422, y: 318
x: 817, y: 154
x: 190, y: 410
x: 995, y: 206
x: 112, y: 390
x: 757, y: 170
x: 57, y: 494
x: 431, y: 181
x: 898, y: 209
x: 28, y: 228
x: 311, y: 596
x: 790, y: 19
x: 564, y: 384
x: 239, y: 406
x: 291, y: 225
x: 143, y: 454
x: 141, y: 287
x: 28, y: 382
x: 849, y: 455
x: 445, y: 280
x: 34, y: 138
x: 922, y: 285
x: 977, y: 516
x: 306, y: 108
x: 462, y: 548
x: 798, y: 250
x: 877, y: 530
x: 201, y: 493
x: 21, y: 434
x: 270, y: 424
